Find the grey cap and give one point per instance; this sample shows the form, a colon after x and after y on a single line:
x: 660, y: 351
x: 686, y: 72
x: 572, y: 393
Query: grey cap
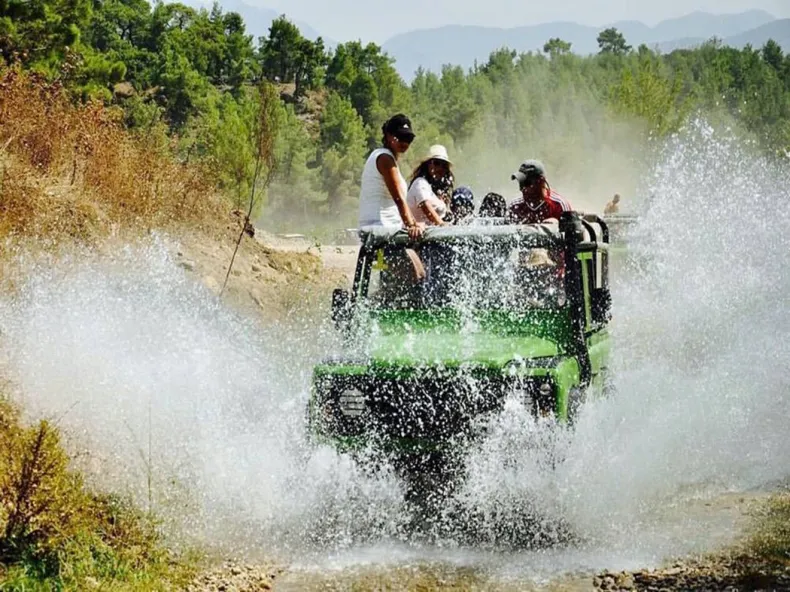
x: 528, y: 170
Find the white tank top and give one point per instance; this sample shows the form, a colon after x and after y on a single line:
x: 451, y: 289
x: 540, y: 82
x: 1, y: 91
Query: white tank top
x: 376, y: 206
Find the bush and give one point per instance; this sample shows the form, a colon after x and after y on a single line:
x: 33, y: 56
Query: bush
x: 770, y: 530
x: 67, y: 167
x: 54, y: 533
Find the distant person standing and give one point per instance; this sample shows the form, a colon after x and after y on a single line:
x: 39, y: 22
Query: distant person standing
x: 382, y: 197
x: 613, y: 207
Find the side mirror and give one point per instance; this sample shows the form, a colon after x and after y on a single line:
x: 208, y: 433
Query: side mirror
x: 341, y: 307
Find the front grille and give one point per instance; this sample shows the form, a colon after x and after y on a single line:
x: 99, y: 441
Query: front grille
x: 422, y: 407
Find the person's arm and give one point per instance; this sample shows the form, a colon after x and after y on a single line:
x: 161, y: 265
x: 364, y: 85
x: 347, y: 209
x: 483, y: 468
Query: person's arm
x: 430, y: 213
x: 386, y: 166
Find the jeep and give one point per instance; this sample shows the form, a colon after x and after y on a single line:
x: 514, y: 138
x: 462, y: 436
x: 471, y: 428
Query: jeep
x: 439, y: 332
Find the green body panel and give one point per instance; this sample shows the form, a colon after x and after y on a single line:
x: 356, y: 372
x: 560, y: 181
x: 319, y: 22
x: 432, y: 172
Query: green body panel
x: 545, y: 323
x: 599, y: 346
x: 566, y: 376
x: 406, y: 338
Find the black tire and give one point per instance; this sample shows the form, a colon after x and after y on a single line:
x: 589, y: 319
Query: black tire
x: 429, y: 481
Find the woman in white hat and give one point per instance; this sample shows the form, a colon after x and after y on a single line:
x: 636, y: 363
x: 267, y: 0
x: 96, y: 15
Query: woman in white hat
x: 425, y: 205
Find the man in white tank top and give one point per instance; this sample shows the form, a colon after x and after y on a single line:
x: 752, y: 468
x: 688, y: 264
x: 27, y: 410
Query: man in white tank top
x: 382, y: 197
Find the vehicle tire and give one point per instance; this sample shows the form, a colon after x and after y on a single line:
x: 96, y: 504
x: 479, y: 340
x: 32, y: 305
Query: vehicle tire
x: 429, y: 481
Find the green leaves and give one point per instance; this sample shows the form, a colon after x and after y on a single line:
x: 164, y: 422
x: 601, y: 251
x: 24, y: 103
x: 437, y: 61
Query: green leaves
x: 287, y: 57
x: 195, y: 69
x: 611, y: 41
x: 556, y: 47
x: 343, y: 148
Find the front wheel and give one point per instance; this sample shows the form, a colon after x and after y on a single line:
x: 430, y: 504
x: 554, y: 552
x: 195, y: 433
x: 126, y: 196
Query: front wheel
x: 429, y: 479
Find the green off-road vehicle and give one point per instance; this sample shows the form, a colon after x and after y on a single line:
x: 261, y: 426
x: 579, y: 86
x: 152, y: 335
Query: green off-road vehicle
x: 439, y: 332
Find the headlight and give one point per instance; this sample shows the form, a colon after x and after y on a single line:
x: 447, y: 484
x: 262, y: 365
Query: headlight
x: 514, y: 366
x: 545, y: 389
x: 352, y: 402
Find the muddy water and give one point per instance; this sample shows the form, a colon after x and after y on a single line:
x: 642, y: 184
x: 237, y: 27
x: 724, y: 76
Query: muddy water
x: 167, y: 387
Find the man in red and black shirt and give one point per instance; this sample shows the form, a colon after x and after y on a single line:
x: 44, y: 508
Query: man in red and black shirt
x: 538, y: 202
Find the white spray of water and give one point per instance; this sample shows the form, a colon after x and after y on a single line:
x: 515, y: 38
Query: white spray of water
x: 701, y: 331
x: 122, y: 347
x: 127, y: 347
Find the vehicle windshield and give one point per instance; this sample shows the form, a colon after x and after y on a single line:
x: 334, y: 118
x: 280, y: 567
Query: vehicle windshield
x: 497, y: 275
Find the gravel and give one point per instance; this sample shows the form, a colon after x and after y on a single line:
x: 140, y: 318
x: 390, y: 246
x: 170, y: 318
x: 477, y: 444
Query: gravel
x: 719, y: 574
x: 236, y: 577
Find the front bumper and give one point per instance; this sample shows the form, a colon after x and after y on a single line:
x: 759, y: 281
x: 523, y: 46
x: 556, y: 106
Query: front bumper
x: 420, y: 411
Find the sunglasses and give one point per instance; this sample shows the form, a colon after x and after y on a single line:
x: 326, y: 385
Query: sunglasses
x: 439, y: 163
x: 531, y: 182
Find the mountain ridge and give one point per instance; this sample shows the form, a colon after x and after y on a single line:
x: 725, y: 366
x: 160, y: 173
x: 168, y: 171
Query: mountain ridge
x: 258, y: 19
x: 463, y: 45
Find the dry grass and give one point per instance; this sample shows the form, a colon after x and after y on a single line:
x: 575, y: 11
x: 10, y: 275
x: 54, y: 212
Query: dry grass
x: 769, y: 536
x: 74, y: 171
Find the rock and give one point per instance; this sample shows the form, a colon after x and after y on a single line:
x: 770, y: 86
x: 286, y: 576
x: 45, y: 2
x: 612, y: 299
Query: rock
x: 597, y: 581
x: 625, y: 581
x: 256, y: 268
x: 608, y: 583
x: 123, y: 90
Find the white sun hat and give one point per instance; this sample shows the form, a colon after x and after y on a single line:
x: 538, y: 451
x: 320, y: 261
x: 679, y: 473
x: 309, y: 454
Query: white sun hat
x: 438, y: 152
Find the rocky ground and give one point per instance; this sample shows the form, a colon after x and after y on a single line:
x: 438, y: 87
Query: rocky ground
x: 719, y: 574
x: 236, y: 577
x: 271, y: 276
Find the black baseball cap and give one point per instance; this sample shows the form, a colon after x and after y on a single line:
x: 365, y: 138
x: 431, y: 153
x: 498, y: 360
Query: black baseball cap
x: 529, y: 170
x: 399, y: 126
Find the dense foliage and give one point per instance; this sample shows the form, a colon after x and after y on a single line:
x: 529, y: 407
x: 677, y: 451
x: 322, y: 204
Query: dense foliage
x: 56, y: 534
x: 591, y: 118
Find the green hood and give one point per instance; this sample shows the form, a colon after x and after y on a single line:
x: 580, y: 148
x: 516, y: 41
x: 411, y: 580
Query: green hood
x: 408, y: 338
x: 452, y: 349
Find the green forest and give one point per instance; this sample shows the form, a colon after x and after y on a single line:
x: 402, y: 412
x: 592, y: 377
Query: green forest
x: 197, y: 75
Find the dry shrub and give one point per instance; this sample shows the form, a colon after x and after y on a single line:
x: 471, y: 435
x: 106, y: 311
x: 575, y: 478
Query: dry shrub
x: 41, y: 499
x: 58, y: 157
x: 52, y: 529
x: 29, y: 209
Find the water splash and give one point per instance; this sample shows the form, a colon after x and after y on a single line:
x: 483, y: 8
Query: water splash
x: 122, y: 347
x: 700, y: 327
x: 158, y: 381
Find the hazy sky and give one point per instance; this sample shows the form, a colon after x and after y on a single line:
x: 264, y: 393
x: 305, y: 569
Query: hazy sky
x: 377, y: 20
